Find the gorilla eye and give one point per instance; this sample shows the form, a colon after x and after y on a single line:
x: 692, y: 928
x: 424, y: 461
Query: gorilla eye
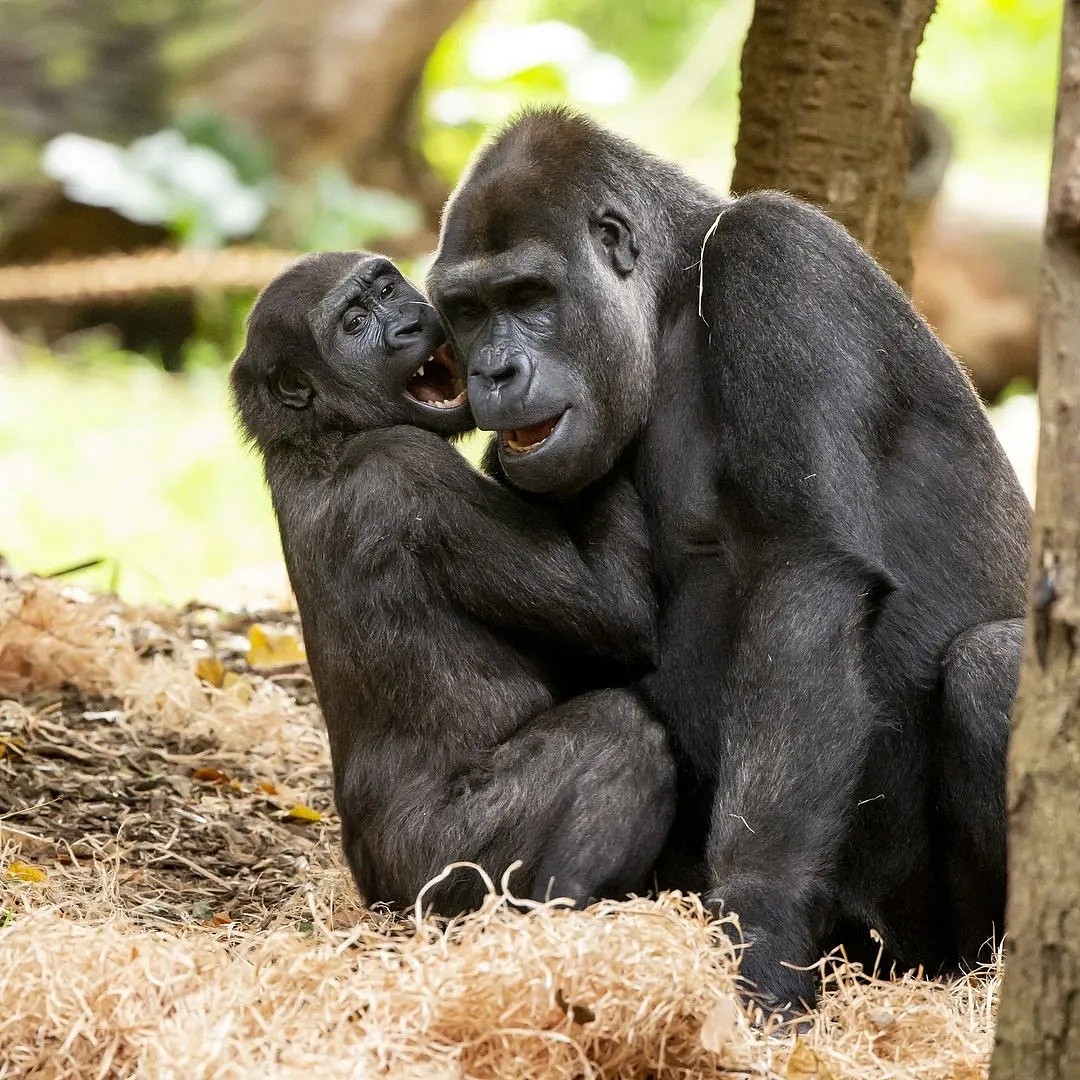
x: 386, y: 291
x: 465, y: 309
x: 353, y: 319
x: 527, y: 292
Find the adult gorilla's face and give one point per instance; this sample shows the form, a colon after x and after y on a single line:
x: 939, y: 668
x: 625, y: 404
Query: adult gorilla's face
x: 540, y: 290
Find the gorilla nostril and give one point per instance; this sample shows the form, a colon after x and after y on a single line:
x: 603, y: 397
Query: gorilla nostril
x: 501, y: 373
x: 399, y: 333
x: 495, y: 372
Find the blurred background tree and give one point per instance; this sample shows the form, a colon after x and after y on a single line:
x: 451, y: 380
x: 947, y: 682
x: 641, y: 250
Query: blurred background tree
x: 207, y: 124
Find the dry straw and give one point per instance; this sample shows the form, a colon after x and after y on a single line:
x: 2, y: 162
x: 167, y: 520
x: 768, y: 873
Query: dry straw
x: 93, y: 986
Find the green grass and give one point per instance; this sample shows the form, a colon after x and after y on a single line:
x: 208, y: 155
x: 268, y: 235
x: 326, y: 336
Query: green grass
x: 118, y: 460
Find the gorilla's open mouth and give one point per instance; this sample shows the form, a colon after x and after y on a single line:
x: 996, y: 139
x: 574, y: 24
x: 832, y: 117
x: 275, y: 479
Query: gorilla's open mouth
x: 438, y: 382
x: 525, y: 439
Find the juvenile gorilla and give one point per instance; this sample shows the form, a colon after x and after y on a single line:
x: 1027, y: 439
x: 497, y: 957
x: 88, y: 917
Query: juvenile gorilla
x: 442, y: 690
x: 800, y: 439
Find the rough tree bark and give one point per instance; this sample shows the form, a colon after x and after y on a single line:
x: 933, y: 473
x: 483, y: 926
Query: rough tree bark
x: 334, y: 81
x: 1038, y: 1032
x: 825, y: 112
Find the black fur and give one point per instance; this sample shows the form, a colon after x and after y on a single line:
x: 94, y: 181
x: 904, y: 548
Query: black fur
x: 437, y: 610
x: 800, y: 439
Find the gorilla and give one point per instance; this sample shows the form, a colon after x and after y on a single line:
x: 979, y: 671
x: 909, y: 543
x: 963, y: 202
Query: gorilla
x: 434, y: 604
x: 837, y: 539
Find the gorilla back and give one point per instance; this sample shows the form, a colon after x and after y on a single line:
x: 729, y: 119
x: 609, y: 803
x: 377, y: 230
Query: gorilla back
x: 772, y: 391
x: 448, y: 737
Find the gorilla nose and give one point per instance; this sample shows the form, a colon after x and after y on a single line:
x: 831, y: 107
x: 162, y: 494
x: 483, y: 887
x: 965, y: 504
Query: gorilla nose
x: 506, y: 375
x: 402, y: 331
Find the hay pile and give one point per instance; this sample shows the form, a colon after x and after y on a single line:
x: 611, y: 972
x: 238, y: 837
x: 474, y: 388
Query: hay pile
x: 172, y: 904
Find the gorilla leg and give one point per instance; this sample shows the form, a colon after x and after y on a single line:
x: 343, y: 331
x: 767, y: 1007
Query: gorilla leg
x: 981, y: 670
x: 621, y: 797
x: 583, y: 795
x: 796, y: 724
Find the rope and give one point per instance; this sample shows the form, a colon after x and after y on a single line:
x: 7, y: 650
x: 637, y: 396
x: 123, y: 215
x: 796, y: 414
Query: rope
x: 129, y: 276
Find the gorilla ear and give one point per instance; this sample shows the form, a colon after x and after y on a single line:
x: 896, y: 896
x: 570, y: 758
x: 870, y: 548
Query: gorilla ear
x: 616, y: 239
x: 291, y: 388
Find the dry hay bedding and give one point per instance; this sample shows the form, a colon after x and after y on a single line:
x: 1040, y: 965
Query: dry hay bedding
x: 173, y: 904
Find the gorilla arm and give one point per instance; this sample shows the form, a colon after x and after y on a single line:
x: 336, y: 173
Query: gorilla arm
x: 846, y: 423
x: 510, y: 564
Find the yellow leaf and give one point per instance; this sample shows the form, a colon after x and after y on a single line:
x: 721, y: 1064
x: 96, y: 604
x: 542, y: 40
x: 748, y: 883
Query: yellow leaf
x: 804, y: 1064
x: 238, y: 685
x: 211, y: 670
x: 272, y: 648
x: 303, y: 813
x: 210, y: 776
x: 721, y: 1025
x: 14, y: 744
x: 20, y: 871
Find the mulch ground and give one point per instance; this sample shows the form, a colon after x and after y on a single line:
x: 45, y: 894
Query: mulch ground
x: 173, y: 901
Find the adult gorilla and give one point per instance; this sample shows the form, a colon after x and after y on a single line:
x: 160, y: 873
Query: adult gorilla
x: 838, y: 539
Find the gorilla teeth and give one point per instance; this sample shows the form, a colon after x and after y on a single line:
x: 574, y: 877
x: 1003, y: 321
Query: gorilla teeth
x: 523, y: 440
x: 448, y: 403
x: 438, y: 383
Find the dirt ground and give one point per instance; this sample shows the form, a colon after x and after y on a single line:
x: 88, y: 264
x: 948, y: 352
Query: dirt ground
x: 173, y: 901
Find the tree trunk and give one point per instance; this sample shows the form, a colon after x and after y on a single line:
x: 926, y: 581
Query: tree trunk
x: 1038, y: 1031
x: 334, y: 81
x: 825, y: 112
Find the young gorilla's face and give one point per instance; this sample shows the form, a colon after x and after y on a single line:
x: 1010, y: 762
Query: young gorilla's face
x: 342, y: 341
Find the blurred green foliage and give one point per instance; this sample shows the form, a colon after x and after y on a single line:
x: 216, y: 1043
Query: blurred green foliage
x: 109, y: 69
x: 104, y: 455
x: 118, y: 459
x: 215, y: 183
x: 331, y: 213
x: 991, y: 67
x: 160, y: 179
x: 102, y: 68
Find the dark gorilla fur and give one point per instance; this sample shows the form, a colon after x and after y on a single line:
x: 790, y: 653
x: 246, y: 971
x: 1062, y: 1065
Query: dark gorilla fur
x: 798, y: 436
x: 435, y: 609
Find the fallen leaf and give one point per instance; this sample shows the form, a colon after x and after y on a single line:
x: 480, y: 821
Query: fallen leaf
x: 203, y: 911
x: 20, y: 871
x: 211, y: 670
x: 303, y: 813
x: 267, y: 787
x: 271, y: 648
x: 721, y: 1025
x: 804, y: 1064
x: 210, y: 776
x: 15, y: 744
